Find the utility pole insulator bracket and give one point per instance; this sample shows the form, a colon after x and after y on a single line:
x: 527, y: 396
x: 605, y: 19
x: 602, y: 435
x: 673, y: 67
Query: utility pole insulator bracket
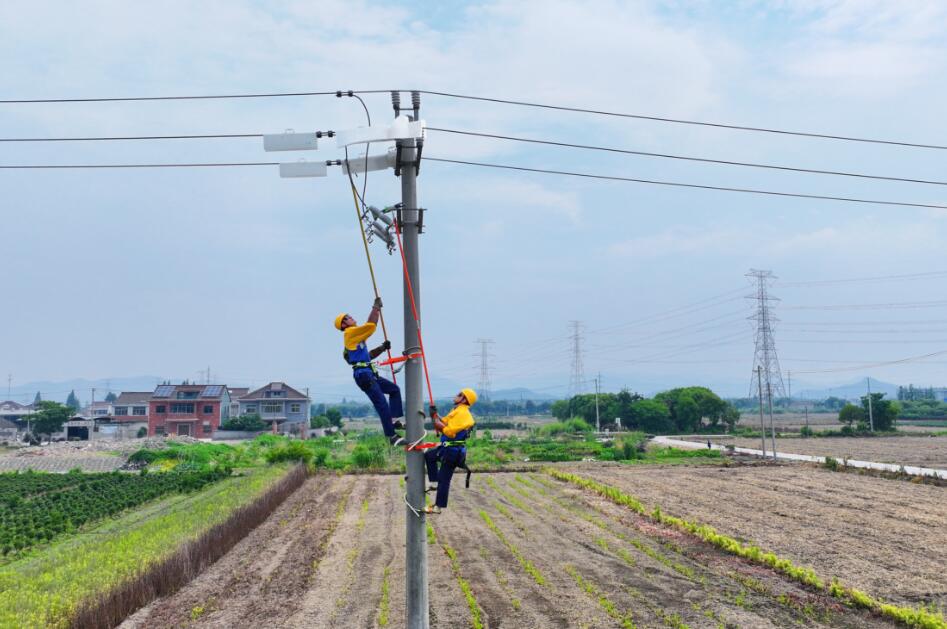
x: 375, y: 162
x: 302, y: 169
x: 291, y: 141
x: 403, y: 128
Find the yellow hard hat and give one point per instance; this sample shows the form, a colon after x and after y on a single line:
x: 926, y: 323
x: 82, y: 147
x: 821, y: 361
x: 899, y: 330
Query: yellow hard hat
x: 471, y: 396
x: 338, y: 320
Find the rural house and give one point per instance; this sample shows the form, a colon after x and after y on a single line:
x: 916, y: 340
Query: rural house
x: 277, y: 402
x: 196, y: 410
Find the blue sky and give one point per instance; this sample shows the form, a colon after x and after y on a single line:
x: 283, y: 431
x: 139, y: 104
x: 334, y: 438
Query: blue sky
x: 163, y: 272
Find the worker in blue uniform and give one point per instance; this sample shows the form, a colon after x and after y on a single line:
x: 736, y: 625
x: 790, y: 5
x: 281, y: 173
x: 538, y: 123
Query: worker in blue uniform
x: 384, y: 394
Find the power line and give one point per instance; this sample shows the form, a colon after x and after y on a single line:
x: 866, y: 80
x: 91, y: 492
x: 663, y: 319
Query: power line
x: 590, y: 147
x: 899, y: 361
x: 824, y: 136
x: 878, y: 278
x: 893, y: 305
x: 207, y: 136
x: 679, y: 184
x: 106, y: 166
x: 599, y: 112
x: 119, y: 99
x: 109, y: 138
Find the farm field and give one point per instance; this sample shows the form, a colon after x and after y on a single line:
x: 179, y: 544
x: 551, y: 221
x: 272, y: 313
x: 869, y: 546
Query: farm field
x: 791, y: 421
x: 885, y: 537
x: 907, y: 450
x: 48, y: 585
x: 515, y: 550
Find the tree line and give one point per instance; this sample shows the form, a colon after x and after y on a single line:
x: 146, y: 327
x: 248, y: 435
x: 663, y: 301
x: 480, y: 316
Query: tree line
x: 681, y: 410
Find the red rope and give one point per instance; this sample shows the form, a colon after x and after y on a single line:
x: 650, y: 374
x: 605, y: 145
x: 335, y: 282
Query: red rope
x: 414, y: 310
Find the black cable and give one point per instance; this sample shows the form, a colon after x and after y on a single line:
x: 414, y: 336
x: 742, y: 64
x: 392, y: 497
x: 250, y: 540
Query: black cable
x: 811, y: 171
x: 368, y: 117
x: 686, y: 185
x: 182, y: 165
x: 718, y: 125
x: 200, y: 97
x: 137, y: 137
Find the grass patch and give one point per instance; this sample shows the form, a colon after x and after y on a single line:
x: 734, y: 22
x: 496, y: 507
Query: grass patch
x: 921, y: 618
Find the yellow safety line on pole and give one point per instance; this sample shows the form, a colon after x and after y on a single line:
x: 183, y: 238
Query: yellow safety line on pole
x: 371, y: 270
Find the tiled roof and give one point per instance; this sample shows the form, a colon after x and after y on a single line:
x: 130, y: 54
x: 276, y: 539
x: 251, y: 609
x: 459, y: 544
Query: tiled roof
x: 132, y: 397
x: 10, y: 405
x: 260, y: 394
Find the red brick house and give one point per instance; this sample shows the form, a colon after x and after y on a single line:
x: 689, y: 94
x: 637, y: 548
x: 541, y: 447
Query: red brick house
x: 196, y: 410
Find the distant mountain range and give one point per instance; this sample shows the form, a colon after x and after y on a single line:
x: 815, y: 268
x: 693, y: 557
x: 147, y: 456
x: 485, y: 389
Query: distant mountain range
x: 849, y: 391
x: 443, y: 387
x: 59, y: 390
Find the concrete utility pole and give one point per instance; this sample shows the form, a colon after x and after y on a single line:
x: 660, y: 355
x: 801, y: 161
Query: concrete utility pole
x: 759, y: 382
x: 416, y: 586
x: 9, y: 384
x: 871, y: 416
x: 598, y: 380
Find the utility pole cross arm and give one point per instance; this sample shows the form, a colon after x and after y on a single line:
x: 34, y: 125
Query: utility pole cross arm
x: 403, y: 128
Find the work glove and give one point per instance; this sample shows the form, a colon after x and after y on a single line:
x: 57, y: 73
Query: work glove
x: 386, y: 345
x: 433, y: 410
x: 377, y: 303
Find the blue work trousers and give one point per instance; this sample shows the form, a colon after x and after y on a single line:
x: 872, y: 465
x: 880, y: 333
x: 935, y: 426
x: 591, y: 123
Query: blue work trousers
x: 449, y: 458
x: 385, y: 396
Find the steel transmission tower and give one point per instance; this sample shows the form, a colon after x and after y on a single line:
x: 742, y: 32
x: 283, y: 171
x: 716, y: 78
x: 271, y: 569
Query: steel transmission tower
x: 765, y: 362
x: 577, y: 376
x: 484, y: 355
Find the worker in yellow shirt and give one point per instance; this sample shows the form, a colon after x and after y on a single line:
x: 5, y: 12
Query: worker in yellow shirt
x: 384, y: 394
x: 454, y: 429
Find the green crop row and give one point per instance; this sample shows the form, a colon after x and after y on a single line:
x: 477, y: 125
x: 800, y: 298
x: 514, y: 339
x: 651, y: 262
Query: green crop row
x: 625, y: 620
x: 29, y: 517
x: 921, y: 618
x: 526, y: 563
x: 45, y: 590
x: 472, y: 605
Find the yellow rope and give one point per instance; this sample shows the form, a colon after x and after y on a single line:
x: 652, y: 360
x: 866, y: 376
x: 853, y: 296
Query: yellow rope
x: 371, y: 270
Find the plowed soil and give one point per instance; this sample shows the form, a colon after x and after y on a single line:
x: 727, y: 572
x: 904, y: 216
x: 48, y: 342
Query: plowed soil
x: 885, y: 537
x: 920, y: 451
x: 555, y: 557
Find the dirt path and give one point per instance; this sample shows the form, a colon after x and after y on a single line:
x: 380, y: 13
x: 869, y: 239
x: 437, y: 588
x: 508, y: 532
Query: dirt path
x: 260, y: 580
x: 886, y: 537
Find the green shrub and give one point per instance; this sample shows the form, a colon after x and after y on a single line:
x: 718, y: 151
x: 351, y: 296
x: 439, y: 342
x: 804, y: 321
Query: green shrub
x: 805, y: 431
x: 369, y: 454
x: 292, y: 451
x: 830, y: 464
x: 319, y: 457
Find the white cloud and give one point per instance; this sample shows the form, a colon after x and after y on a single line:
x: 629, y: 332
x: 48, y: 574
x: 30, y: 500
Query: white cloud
x: 676, y: 242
